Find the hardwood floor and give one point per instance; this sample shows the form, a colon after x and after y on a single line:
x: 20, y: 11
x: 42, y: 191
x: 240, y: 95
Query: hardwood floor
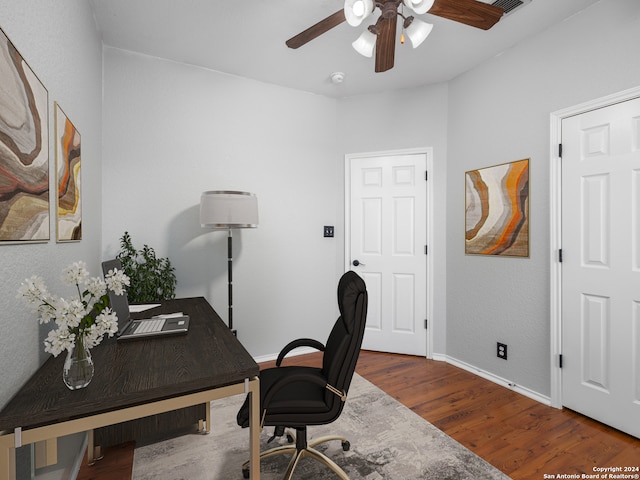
x: 116, y: 464
x: 519, y: 436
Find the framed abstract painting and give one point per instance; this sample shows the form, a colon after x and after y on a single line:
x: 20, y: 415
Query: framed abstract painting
x: 24, y: 150
x: 69, y: 185
x: 497, y: 210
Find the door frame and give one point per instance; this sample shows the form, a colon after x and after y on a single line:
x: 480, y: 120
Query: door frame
x: 555, y: 226
x: 428, y: 152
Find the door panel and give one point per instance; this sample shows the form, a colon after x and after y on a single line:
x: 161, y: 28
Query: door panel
x: 600, y: 269
x: 595, y: 226
x: 595, y: 327
x: 374, y: 309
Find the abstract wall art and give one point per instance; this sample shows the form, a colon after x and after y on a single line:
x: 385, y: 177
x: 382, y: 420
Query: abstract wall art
x: 497, y: 210
x: 24, y: 150
x: 69, y: 185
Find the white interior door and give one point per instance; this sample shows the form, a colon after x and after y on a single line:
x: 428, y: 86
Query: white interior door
x: 601, y: 265
x: 387, y: 240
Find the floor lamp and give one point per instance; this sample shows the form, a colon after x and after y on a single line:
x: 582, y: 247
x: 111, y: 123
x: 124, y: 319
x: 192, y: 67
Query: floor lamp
x: 226, y: 210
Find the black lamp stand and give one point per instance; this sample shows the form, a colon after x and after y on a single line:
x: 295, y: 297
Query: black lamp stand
x: 230, y: 280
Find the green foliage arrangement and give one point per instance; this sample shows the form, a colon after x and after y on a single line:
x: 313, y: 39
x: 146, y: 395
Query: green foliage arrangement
x: 151, y: 278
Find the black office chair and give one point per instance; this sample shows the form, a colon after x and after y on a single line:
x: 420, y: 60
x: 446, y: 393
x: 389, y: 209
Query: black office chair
x: 296, y: 396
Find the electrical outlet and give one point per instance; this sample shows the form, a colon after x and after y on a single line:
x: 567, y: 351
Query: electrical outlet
x: 328, y: 230
x: 502, y: 351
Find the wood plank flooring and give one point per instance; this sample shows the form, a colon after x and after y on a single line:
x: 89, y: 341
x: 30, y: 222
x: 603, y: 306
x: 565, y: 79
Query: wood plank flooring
x: 519, y: 436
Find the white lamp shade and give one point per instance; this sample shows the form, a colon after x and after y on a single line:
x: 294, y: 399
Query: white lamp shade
x: 419, y: 6
x: 228, y: 209
x: 418, y: 31
x: 364, y: 43
x: 355, y: 11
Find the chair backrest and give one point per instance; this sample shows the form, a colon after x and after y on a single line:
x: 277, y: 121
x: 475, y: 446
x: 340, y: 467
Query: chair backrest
x: 343, y: 345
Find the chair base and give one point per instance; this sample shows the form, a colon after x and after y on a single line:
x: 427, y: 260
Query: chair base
x: 302, y: 449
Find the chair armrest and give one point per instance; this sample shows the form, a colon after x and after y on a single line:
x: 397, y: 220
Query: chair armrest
x: 301, y: 342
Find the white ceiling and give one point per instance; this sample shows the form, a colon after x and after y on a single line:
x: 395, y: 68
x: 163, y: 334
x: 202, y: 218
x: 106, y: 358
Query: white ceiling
x: 247, y: 38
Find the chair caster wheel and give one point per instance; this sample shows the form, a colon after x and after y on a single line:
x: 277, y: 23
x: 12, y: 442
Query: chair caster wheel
x: 290, y: 439
x: 346, y: 446
x: 245, y: 473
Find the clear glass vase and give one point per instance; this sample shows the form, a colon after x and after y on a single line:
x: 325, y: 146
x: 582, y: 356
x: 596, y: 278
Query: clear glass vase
x: 78, y: 366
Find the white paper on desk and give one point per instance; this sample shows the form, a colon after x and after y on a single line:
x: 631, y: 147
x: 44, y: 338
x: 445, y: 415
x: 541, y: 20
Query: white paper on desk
x: 142, y: 308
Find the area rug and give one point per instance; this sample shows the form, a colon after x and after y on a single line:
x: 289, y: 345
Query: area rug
x: 388, y: 441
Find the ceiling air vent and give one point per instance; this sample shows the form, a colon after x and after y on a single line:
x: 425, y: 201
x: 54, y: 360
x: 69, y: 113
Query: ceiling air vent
x: 510, y: 5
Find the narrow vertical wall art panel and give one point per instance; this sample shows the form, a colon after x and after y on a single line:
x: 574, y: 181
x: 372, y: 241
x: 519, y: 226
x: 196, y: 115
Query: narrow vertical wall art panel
x: 497, y: 210
x: 24, y: 150
x: 68, y: 160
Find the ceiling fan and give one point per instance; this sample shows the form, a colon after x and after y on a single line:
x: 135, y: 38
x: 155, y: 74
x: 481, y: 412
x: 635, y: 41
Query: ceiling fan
x: 382, y: 35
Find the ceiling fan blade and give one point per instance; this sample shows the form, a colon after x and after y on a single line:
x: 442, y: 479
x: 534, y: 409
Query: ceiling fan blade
x: 386, y: 43
x: 470, y: 12
x: 316, y: 30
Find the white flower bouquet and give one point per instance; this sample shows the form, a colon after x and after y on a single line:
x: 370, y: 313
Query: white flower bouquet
x: 85, y: 319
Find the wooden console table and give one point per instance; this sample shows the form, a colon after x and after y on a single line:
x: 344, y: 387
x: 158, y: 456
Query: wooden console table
x: 134, y: 380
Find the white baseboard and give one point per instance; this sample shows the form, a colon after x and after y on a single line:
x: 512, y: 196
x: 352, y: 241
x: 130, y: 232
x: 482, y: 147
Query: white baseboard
x: 444, y: 358
x: 439, y: 357
x: 498, y: 380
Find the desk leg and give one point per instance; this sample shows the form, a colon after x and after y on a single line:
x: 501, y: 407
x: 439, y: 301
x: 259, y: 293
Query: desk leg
x: 8, y: 463
x: 204, y: 426
x: 254, y: 429
x: 207, y: 417
x: 93, y: 453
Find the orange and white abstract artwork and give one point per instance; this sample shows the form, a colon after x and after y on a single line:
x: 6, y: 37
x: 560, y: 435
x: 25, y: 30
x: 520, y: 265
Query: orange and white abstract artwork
x: 24, y: 150
x: 68, y: 160
x: 497, y: 210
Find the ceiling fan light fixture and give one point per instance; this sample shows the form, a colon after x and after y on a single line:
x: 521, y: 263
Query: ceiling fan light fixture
x: 383, y: 36
x: 419, y: 6
x: 355, y: 11
x: 417, y: 31
x: 365, y: 43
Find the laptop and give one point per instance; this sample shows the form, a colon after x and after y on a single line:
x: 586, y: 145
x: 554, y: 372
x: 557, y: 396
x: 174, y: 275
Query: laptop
x: 130, y: 329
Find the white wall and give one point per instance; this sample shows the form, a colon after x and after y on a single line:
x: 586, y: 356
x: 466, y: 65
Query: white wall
x: 59, y: 41
x: 172, y: 131
x: 500, y: 112
x: 398, y: 120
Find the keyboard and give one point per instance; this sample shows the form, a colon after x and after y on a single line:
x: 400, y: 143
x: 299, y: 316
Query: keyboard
x: 153, y: 325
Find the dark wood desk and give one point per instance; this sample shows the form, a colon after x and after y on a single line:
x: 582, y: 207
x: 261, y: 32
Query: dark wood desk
x: 133, y: 380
